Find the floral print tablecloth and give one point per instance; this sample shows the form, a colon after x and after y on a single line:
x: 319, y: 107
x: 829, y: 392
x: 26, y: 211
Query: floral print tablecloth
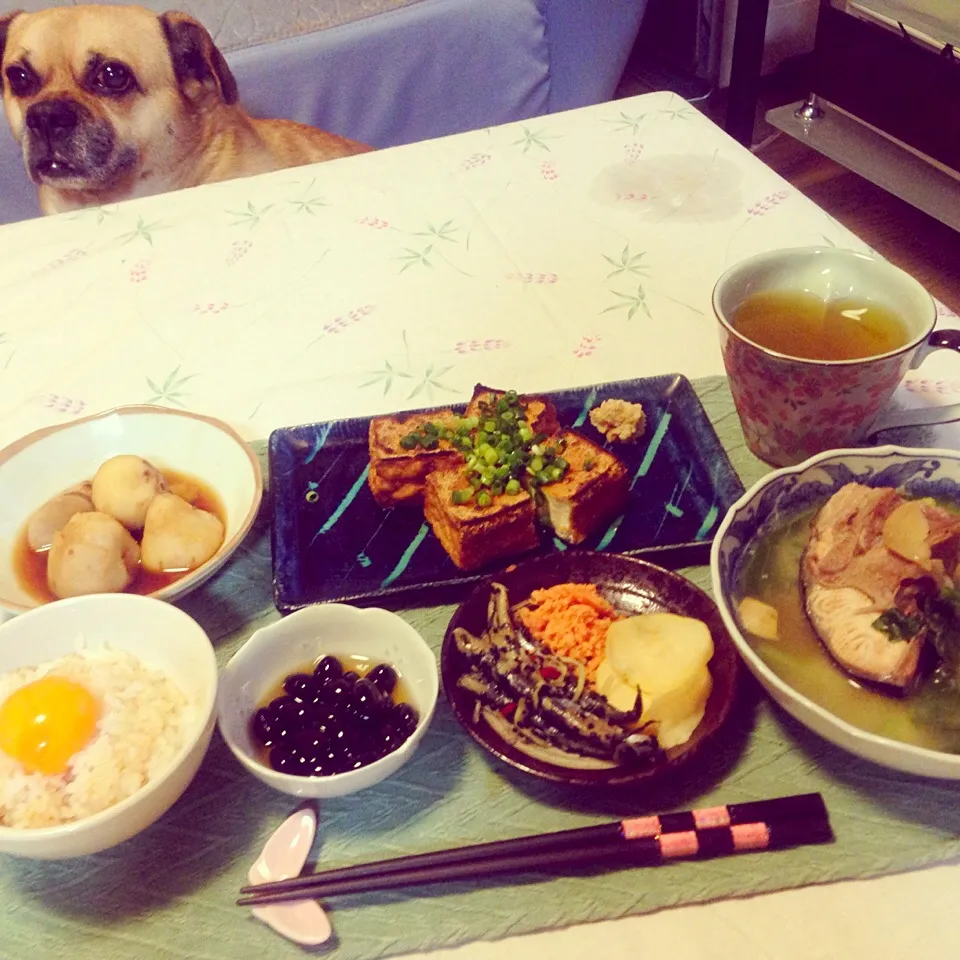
x: 564, y: 250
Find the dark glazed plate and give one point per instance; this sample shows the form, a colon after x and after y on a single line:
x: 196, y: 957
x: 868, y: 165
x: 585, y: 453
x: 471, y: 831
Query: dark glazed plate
x: 331, y: 541
x: 632, y: 586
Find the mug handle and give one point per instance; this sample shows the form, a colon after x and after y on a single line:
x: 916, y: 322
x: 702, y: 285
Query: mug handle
x: 946, y: 339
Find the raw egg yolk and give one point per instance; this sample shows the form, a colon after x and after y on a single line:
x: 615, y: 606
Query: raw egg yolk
x: 44, y: 723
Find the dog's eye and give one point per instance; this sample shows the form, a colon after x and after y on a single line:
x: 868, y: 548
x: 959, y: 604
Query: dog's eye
x: 113, y: 77
x: 21, y: 80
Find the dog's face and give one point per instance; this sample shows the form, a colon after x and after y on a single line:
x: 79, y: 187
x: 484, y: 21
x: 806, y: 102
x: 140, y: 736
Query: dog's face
x: 100, y: 97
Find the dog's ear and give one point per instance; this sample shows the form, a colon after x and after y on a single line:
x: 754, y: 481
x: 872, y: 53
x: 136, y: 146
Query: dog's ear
x: 5, y: 22
x: 199, y: 66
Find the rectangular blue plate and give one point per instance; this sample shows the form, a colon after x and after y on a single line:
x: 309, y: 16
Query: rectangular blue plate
x: 331, y: 541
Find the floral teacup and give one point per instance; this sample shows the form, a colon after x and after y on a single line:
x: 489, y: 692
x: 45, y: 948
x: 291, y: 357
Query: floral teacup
x: 791, y: 408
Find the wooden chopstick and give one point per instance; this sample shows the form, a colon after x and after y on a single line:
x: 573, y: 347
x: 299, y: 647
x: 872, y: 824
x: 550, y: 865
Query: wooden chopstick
x: 643, y: 852
x: 765, y: 824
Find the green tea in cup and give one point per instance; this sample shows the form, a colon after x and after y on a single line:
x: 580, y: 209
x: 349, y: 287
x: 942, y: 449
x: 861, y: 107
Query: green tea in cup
x: 815, y: 341
x: 798, y: 323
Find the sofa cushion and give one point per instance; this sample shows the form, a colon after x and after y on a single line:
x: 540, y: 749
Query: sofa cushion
x: 236, y: 25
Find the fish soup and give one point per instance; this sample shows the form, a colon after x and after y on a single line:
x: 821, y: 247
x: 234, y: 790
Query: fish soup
x: 928, y: 717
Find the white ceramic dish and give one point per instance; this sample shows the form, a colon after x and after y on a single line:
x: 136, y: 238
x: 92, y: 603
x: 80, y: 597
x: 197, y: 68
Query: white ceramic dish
x: 161, y: 636
x: 788, y: 492
x: 46, y: 462
x: 285, y: 646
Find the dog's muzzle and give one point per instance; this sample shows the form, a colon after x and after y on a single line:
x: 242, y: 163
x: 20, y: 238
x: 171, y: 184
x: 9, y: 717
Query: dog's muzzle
x: 53, y: 119
x: 65, y: 141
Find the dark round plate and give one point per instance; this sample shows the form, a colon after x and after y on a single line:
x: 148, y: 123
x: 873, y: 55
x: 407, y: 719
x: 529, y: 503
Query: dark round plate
x: 633, y: 586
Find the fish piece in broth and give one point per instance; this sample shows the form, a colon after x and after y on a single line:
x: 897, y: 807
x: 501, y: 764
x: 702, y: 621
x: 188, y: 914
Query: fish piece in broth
x: 851, y: 576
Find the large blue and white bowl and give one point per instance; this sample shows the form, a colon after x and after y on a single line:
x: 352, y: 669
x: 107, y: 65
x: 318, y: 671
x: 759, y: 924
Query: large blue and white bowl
x: 786, y: 493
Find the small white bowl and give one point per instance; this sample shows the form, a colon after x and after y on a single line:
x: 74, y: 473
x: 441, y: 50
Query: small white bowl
x: 161, y: 636
x: 789, y: 492
x: 44, y: 463
x: 284, y: 647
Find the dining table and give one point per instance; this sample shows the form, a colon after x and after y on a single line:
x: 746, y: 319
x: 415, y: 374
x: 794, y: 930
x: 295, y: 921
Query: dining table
x: 562, y: 251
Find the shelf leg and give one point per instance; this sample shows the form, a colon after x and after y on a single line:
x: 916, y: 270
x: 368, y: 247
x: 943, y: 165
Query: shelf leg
x: 809, y: 110
x: 745, y: 66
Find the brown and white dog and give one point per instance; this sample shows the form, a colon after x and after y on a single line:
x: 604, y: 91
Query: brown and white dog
x: 110, y: 103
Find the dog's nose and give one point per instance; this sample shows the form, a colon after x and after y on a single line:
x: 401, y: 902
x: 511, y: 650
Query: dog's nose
x: 53, y: 116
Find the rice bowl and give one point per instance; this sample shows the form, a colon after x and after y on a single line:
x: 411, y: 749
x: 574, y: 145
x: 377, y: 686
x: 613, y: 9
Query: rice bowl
x: 141, y: 727
x: 160, y: 637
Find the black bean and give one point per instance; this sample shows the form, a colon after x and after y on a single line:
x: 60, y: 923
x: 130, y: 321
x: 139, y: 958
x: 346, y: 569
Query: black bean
x: 296, y: 683
x: 327, y: 668
x: 387, y: 740
x: 405, y: 718
x: 265, y: 727
x: 281, y: 759
x: 309, y: 744
x: 384, y: 677
x: 336, y: 694
x: 367, y: 703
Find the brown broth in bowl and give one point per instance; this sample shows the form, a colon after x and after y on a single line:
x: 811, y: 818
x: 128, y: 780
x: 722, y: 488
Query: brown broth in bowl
x: 30, y: 566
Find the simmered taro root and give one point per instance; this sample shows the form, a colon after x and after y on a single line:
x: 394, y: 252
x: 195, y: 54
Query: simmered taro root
x: 124, y: 486
x: 93, y: 553
x: 178, y: 536
x: 53, y: 516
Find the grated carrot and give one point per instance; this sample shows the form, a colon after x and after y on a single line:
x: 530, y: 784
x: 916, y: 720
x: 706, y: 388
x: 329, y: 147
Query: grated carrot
x: 572, y: 619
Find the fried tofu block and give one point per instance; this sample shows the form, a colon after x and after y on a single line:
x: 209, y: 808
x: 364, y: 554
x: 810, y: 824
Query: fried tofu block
x: 593, y: 491
x: 397, y: 475
x: 541, y: 414
x: 474, y: 536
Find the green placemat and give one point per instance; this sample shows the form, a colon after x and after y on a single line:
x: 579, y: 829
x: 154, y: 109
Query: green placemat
x: 169, y: 893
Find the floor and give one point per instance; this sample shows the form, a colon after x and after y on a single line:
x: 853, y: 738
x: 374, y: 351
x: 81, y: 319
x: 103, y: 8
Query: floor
x: 921, y: 245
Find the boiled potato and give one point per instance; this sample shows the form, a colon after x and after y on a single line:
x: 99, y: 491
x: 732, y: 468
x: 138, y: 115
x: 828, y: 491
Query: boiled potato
x: 759, y: 618
x: 178, y: 536
x: 906, y: 532
x: 677, y: 712
x: 620, y: 693
x: 665, y: 657
x: 658, y: 651
x: 92, y: 553
x: 53, y: 516
x: 124, y: 486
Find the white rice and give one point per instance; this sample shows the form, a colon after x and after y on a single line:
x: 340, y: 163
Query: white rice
x: 143, y: 723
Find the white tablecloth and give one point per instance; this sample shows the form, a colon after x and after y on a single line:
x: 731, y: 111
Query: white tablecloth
x: 567, y: 250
